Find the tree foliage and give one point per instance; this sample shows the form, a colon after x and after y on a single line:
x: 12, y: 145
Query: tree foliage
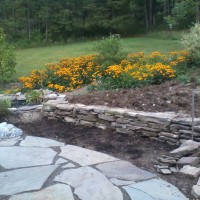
x: 61, y: 20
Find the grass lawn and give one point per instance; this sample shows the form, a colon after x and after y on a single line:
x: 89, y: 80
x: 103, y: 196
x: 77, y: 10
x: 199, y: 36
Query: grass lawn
x: 36, y: 58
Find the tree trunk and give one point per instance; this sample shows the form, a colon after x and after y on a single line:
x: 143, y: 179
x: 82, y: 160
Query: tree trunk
x: 146, y: 15
x: 197, y: 11
x: 150, y: 12
x: 29, y: 23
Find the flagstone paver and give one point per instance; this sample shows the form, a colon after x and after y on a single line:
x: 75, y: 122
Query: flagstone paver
x: 31, y: 141
x: 55, y: 192
x: 15, y: 157
x: 90, y: 184
x: 28, y: 173
x: 22, y: 180
x: 155, y: 189
x: 125, y: 171
x: 84, y: 156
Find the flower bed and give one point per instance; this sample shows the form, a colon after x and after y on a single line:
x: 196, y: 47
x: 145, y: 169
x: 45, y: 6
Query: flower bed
x: 136, y: 70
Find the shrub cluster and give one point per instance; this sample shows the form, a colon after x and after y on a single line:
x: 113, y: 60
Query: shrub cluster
x: 136, y: 70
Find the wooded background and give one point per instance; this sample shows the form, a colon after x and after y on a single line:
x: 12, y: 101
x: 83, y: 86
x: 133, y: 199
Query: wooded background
x: 59, y: 20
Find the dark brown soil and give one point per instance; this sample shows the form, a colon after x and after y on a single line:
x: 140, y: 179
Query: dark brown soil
x: 142, y: 152
x: 168, y: 96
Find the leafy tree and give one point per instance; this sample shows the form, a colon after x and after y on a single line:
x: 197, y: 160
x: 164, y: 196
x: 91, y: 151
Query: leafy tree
x: 7, y: 59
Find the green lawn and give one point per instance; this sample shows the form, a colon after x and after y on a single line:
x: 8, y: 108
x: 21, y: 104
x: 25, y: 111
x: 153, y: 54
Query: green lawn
x: 36, y: 58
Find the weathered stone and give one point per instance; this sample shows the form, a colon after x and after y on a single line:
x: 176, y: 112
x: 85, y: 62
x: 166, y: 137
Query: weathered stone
x: 193, y: 161
x: 186, y: 121
x: 31, y: 141
x: 186, y: 148
x: 62, y: 113
x: 125, y: 171
x: 69, y: 120
x: 122, y: 120
x: 174, y: 140
x: 9, y: 142
x: 190, y: 171
x: 156, y: 117
x: 114, y: 124
x: 101, y: 126
x: 89, y: 118
x: 22, y: 180
x: 52, y: 96
x: 176, y: 127
x: 65, y: 107
x: 15, y: 157
x: 9, y: 131
x: 197, y: 129
x: 167, y: 160
x: 196, y: 191
x: 115, y: 111
x: 165, y: 171
x: 154, y: 189
x: 138, y: 124
x: 189, y: 133
x: 164, y: 126
x: 83, y: 179
x: 109, y: 118
x: 21, y: 97
x: 122, y: 130
x: 83, y: 156
x: 149, y: 133
x: 133, y: 128
x: 119, y: 182
x: 171, y: 135
x: 86, y: 123
x: 58, y: 191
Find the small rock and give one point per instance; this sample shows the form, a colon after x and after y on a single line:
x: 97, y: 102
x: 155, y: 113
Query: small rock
x: 190, y: 171
x: 196, y: 191
x: 165, y: 171
x: 173, y: 169
x: 188, y: 161
x: 52, y: 96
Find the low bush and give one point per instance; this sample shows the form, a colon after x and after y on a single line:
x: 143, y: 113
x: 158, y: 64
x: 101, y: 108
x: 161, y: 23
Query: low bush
x: 4, y: 105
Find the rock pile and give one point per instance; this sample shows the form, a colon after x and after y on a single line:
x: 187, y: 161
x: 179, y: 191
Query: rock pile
x: 185, y: 160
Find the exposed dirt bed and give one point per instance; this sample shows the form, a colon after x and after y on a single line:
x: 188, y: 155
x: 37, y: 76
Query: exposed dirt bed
x: 142, y: 152
x: 169, y: 96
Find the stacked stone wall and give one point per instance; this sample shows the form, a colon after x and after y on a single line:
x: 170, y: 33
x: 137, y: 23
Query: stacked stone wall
x: 163, y: 126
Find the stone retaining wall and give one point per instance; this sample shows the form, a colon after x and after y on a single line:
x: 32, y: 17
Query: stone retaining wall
x: 163, y: 126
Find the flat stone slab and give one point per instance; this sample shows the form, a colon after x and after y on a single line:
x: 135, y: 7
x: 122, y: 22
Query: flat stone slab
x: 155, y: 189
x: 9, y: 142
x: 83, y: 156
x: 90, y: 184
x: 22, y: 180
x: 119, y: 182
x: 188, y: 161
x: 125, y: 171
x: 58, y: 191
x: 196, y: 191
x: 68, y: 165
x: 186, y: 148
x: 31, y: 141
x: 61, y: 161
x: 190, y: 171
x: 17, y: 157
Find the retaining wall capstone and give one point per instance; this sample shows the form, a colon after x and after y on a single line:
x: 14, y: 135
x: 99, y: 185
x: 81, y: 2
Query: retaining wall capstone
x: 167, y: 127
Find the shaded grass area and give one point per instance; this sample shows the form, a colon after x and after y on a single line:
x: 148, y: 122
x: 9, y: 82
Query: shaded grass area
x: 36, y: 58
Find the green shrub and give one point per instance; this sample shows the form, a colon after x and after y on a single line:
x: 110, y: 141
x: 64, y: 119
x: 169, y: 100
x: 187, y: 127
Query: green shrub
x: 7, y: 60
x: 4, y: 105
x: 33, y: 97
x: 183, y: 78
x: 191, y: 41
x: 109, y: 51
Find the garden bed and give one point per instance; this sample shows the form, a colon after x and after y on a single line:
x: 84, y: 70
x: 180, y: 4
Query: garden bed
x: 169, y: 96
x: 140, y: 151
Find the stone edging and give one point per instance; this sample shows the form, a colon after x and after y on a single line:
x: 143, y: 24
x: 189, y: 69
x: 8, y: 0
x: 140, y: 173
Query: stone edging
x: 167, y: 127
